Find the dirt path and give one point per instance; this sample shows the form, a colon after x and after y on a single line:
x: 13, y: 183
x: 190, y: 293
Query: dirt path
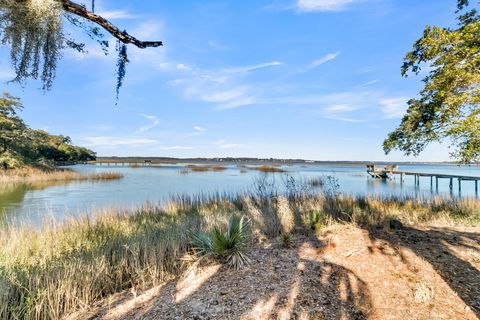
x: 423, y: 273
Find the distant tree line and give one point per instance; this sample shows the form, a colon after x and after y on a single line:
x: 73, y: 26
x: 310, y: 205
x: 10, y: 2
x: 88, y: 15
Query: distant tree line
x: 22, y: 146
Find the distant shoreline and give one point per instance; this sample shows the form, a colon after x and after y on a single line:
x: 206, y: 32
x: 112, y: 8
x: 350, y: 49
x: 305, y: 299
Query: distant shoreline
x: 229, y: 160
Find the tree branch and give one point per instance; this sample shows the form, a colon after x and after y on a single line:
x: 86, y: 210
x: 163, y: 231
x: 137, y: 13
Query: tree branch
x: 123, y: 36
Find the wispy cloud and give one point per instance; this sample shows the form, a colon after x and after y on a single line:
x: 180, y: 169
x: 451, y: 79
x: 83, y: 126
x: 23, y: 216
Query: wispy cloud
x: 217, y: 45
x: 154, y: 122
x: 197, y: 131
x: 324, y: 59
x: 324, y: 5
x: 225, y: 96
x: 253, y: 67
x: 349, y: 106
x: 105, y: 141
x: 116, y: 14
x: 224, y: 88
x: 394, y: 107
x: 369, y: 83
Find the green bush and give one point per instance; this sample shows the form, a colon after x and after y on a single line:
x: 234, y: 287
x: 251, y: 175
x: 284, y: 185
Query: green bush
x: 230, y: 247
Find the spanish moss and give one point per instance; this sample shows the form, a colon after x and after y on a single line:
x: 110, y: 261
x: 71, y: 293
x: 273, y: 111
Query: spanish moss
x: 121, y: 66
x: 34, y: 33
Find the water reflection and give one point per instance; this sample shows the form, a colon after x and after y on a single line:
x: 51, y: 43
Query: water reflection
x: 33, y: 202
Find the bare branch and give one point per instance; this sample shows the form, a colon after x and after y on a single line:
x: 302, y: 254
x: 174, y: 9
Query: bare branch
x: 123, y: 36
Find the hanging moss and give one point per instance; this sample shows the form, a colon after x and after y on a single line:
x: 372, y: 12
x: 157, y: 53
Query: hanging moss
x: 34, y: 33
x: 121, y: 65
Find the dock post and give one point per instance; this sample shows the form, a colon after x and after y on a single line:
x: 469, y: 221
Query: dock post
x: 436, y: 183
x: 476, y: 187
x: 418, y: 180
x: 401, y: 178
x: 451, y: 184
x: 459, y: 185
x: 431, y: 182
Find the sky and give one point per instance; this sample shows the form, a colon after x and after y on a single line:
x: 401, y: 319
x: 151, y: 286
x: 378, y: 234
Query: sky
x: 311, y: 79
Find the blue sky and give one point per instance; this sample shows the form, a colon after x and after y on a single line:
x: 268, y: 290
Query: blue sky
x: 313, y: 79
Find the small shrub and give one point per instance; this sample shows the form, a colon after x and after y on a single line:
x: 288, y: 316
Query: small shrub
x: 314, y: 219
x: 230, y: 247
x: 286, y: 239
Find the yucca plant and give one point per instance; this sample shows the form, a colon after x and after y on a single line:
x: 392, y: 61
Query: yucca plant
x: 230, y: 247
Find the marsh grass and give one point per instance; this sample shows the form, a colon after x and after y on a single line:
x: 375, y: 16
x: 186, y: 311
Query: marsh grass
x: 198, y: 168
x: 219, y: 168
x: 205, y: 168
x: 267, y: 169
x: 54, y: 271
x: 30, y: 175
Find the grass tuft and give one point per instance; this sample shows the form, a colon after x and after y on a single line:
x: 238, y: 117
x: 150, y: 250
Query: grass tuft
x: 230, y: 247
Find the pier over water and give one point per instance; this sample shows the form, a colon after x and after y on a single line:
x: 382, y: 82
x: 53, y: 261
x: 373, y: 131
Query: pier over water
x: 391, y: 172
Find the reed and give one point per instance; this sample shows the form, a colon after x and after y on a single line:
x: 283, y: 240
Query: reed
x: 198, y: 168
x: 267, y: 169
x: 59, y: 269
x: 205, y: 168
x: 219, y: 168
x: 30, y: 175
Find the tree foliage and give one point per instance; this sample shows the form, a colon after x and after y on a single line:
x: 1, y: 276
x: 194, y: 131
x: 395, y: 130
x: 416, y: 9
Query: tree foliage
x: 448, y: 107
x: 36, y: 33
x: 20, y: 145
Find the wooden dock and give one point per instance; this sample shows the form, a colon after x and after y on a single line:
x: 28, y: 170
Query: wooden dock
x: 390, y: 172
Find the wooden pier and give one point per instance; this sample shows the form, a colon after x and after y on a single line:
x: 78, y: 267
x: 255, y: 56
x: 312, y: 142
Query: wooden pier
x: 390, y: 172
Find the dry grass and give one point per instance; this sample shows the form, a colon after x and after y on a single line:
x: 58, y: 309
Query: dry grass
x: 219, y: 168
x: 30, y: 175
x: 267, y: 169
x: 205, y: 168
x: 59, y: 270
x: 198, y: 168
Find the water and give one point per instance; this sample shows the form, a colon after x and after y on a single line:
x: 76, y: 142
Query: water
x: 35, y: 203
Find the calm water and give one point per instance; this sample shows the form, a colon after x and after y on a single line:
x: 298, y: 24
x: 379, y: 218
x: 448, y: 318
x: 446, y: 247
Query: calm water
x: 139, y: 185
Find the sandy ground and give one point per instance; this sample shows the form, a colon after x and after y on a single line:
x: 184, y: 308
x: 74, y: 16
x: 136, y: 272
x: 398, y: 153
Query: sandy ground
x: 347, y: 273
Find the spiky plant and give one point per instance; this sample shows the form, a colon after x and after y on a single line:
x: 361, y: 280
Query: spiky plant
x: 286, y: 239
x: 230, y: 247
x: 202, y: 242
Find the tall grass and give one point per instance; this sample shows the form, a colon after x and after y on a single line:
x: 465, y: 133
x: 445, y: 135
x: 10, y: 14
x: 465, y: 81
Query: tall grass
x: 30, y: 175
x: 267, y: 169
x: 52, y: 272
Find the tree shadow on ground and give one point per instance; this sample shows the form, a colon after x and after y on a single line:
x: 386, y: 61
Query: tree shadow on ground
x: 281, y: 283
x: 438, y: 247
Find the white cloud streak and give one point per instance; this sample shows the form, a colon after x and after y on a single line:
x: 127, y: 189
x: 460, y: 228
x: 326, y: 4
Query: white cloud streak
x: 324, y: 5
x: 394, y: 107
x: 116, y: 14
x: 324, y: 59
x: 154, y: 122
